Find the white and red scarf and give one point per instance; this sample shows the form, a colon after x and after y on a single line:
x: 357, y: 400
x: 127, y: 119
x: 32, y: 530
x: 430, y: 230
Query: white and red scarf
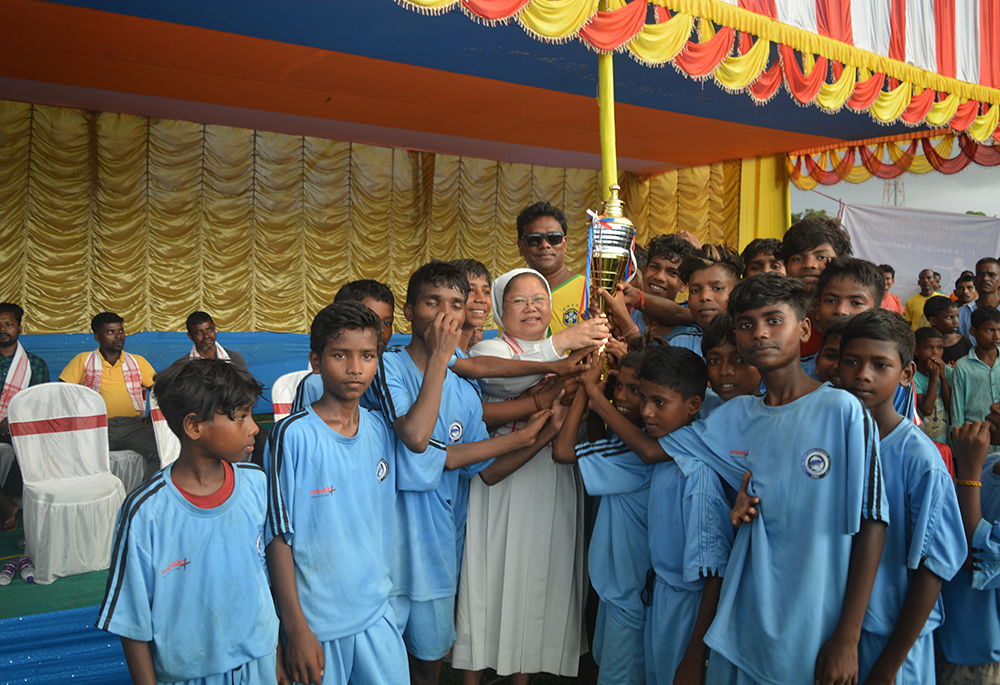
x: 94, y: 369
x: 18, y: 376
x: 219, y: 352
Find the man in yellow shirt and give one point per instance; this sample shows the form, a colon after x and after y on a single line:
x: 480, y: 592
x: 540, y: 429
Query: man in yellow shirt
x: 542, y: 242
x: 120, y: 378
x: 914, y: 312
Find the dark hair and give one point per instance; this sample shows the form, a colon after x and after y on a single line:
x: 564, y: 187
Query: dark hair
x: 473, y: 267
x: 197, y: 319
x: 103, y: 319
x: 887, y: 269
x: 669, y: 247
x: 633, y: 359
x: 884, y: 325
x: 720, y: 331
x: 984, y: 314
x: 813, y: 231
x: 769, y: 288
x: 987, y: 260
x: 438, y: 274
x: 709, y: 256
x: 203, y: 387
x: 864, y: 272
x: 937, y: 305
x: 835, y: 327
x: 966, y: 277
x: 936, y: 275
x: 759, y: 246
x: 355, y: 291
x: 11, y: 308
x: 641, y: 258
x: 338, y: 317
x: 926, y: 333
x: 537, y: 211
x: 677, y: 368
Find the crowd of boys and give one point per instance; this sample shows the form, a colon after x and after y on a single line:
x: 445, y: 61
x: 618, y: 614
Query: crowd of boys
x: 795, y: 482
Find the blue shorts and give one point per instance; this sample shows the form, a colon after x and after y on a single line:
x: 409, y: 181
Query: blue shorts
x: 428, y: 628
x: 722, y: 671
x: 618, y: 649
x: 375, y: 656
x: 669, y: 624
x: 258, y: 672
x: 919, y: 664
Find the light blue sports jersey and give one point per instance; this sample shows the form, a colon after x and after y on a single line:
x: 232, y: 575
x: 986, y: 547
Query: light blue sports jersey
x: 429, y: 501
x: 816, y: 470
x: 711, y: 402
x: 927, y: 529
x: 970, y: 635
x: 619, y: 545
x: 192, y: 581
x: 332, y: 496
x: 809, y: 366
x: 905, y: 402
x: 689, y: 341
x: 679, y: 329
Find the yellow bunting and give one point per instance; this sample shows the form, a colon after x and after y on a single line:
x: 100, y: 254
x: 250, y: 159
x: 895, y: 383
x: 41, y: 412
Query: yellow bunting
x: 555, y: 19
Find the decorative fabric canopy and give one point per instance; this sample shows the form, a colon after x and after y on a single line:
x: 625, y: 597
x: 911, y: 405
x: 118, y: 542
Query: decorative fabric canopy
x: 933, y: 62
x: 861, y: 161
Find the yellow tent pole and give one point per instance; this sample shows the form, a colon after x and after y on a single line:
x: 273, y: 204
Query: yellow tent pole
x: 606, y: 105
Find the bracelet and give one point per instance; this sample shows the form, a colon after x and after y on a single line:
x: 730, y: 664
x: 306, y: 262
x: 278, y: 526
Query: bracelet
x: 641, y: 302
x: 626, y: 334
x: 970, y: 483
x: 538, y: 403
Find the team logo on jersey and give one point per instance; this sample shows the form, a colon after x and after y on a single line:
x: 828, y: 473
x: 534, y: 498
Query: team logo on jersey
x: 455, y: 431
x: 816, y: 463
x: 571, y: 316
x: 382, y: 470
x: 179, y: 564
x: 321, y: 492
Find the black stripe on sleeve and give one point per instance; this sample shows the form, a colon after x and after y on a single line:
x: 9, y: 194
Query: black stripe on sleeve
x: 119, y: 558
x: 276, y: 446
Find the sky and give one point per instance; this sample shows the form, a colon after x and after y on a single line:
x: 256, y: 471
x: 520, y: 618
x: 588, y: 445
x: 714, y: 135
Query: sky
x: 975, y: 188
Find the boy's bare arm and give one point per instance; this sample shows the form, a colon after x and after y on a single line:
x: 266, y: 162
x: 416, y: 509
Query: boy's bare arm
x: 507, y: 464
x: 837, y: 662
x: 496, y: 414
x: 945, y: 392
x: 485, y: 366
x: 648, y: 449
x: 970, y: 447
x: 564, y: 447
x: 917, y: 606
x: 139, y: 657
x: 691, y: 669
x: 468, y: 453
x: 663, y: 310
x: 303, y: 653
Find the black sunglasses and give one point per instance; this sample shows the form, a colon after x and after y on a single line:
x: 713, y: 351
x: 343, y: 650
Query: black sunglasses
x: 535, y: 239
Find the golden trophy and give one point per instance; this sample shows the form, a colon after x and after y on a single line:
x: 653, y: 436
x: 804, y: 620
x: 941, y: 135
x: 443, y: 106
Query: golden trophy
x: 612, y: 241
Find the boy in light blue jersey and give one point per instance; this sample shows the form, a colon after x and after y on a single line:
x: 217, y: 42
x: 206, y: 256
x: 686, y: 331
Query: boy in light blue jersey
x: 689, y: 534
x: 424, y: 561
x: 184, y: 536
x: 969, y: 640
x: 710, y: 274
x: 925, y: 545
x: 818, y: 544
x: 729, y: 375
x: 332, y: 477
x: 661, y: 279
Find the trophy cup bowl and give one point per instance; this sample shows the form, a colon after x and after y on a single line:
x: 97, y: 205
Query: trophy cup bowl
x: 611, y: 253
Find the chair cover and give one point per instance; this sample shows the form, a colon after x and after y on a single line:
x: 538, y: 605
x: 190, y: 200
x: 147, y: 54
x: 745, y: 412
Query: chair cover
x: 6, y: 461
x: 167, y: 444
x: 129, y: 467
x: 71, y: 499
x: 283, y: 393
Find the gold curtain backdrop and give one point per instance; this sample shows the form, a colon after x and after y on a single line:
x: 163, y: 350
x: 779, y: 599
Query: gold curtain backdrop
x: 155, y: 218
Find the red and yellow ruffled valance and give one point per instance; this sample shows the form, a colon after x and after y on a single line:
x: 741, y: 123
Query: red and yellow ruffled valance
x: 858, y: 162
x: 712, y: 39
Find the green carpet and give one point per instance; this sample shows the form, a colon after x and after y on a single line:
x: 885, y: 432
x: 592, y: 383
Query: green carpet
x: 22, y: 599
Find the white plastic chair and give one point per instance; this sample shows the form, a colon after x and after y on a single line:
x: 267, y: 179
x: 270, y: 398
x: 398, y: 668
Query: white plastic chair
x: 167, y: 444
x: 283, y: 393
x: 129, y: 467
x: 70, y: 499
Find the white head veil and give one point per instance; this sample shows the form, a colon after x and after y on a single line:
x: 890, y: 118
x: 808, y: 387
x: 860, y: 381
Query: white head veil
x: 501, y: 283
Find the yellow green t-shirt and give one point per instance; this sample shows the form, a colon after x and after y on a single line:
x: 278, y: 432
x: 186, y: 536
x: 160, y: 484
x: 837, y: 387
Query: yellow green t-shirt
x: 566, y: 304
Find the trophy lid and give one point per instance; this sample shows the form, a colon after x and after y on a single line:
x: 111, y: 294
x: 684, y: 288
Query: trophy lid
x: 614, y: 207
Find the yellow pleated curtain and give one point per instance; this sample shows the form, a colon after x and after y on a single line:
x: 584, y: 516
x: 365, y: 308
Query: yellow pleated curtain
x: 155, y: 218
